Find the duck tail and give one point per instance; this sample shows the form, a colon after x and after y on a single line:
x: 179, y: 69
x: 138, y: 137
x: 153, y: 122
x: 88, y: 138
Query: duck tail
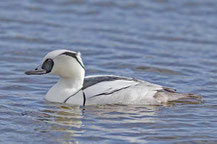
x: 168, y: 95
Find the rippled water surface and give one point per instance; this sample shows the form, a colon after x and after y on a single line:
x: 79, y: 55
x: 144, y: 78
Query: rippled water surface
x: 172, y: 43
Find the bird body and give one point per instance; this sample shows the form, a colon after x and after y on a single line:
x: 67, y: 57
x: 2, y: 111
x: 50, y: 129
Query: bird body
x: 74, y: 88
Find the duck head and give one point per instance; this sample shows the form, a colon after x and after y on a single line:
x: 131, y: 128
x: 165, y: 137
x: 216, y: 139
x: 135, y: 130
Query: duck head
x: 64, y: 63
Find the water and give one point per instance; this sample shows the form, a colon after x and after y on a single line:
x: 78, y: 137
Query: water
x: 172, y: 43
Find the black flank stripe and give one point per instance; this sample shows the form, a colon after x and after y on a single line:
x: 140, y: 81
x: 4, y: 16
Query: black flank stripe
x: 110, y: 92
x: 70, y: 97
x: 84, y: 99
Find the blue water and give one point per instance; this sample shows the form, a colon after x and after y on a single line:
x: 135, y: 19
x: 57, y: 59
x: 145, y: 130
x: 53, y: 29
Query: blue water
x: 171, y: 43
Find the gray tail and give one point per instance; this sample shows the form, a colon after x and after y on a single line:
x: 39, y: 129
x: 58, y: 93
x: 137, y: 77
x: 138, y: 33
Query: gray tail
x: 169, y: 96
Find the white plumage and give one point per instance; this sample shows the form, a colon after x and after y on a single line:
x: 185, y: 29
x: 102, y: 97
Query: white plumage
x: 74, y: 88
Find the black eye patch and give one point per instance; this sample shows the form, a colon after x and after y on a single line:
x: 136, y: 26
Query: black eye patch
x: 47, y: 65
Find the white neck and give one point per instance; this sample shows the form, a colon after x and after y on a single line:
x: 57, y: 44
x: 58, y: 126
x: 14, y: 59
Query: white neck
x: 71, y: 83
x: 65, y: 87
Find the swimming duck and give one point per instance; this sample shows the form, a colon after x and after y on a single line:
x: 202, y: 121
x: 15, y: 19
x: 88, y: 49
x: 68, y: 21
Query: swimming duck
x: 74, y: 88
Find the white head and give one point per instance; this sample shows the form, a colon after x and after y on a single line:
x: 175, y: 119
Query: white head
x: 64, y: 63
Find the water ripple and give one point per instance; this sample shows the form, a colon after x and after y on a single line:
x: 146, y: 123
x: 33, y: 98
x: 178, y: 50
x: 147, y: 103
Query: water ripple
x: 172, y: 43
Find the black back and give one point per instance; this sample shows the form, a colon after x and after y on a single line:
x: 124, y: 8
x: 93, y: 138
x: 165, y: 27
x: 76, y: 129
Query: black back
x: 90, y: 81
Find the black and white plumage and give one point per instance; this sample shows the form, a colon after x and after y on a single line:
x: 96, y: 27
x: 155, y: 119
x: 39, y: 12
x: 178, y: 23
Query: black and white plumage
x: 74, y: 88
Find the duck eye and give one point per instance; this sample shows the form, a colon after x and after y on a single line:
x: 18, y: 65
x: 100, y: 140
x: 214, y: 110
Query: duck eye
x: 47, y: 65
